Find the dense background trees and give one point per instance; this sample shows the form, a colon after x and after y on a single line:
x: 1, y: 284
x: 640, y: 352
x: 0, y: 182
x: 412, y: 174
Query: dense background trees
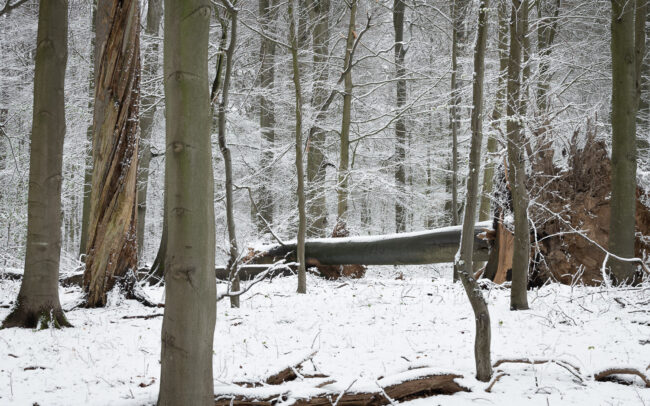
x: 568, y: 81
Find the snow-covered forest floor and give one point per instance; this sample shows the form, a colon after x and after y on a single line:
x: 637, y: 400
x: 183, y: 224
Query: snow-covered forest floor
x: 361, y: 330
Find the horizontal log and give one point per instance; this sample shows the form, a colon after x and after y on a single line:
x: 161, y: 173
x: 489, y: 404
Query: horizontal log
x: 416, y: 248
x: 249, y: 272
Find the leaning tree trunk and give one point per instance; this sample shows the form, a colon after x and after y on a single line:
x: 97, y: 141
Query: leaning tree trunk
x: 152, y: 31
x: 267, y: 117
x: 88, y: 171
x: 38, y: 299
x: 316, y: 204
x: 466, y: 250
x: 624, y: 97
x: 190, y: 289
x: 517, y: 164
x: 223, y: 146
x: 300, y: 172
x: 400, y: 123
x: 112, y: 248
x: 344, y: 158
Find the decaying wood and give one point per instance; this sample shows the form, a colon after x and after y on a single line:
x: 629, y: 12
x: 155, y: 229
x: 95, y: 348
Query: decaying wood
x: 571, y: 212
x: 288, y: 373
x: 425, y: 386
x: 606, y: 374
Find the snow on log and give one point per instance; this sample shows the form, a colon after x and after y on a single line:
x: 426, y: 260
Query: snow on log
x: 416, y: 248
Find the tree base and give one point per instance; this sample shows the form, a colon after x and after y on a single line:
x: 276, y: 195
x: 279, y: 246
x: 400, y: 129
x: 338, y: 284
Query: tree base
x: 43, y: 318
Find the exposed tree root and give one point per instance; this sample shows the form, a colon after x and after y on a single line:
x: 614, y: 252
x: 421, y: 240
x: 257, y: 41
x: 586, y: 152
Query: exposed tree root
x: 43, y: 318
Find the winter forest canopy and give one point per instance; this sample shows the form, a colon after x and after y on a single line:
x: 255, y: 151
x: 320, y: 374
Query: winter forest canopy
x: 363, y: 177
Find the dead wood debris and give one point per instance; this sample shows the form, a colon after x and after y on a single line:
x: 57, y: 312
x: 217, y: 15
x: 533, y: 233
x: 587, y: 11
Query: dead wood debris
x: 607, y: 375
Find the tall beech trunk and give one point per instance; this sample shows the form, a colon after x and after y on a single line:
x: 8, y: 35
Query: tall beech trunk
x: 38, y: 303
x: 517, y: 163
x: 497, y: 111
x: 400, y: 124
x: 267, y: 115
x: 88, y: 171
x: 344, y: 158
x: 112, y: 246
x: 464, y: 259
x: 300, y: 172
x: 316, y: 204
x: 190, y: 289
x: 228, y: 54
x: 624, y: 97
x: 148, y: 112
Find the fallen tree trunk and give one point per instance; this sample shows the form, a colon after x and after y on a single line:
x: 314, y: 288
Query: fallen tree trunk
x: 417, y: 248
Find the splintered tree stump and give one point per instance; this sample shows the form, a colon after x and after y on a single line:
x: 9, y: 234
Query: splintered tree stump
x: 570, y: 211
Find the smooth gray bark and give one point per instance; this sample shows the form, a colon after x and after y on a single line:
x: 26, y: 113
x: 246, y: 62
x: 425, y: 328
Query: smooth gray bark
x: 400, y: 123
x: 190, y: 289
x: 516, y: 163
x: 38, y: 303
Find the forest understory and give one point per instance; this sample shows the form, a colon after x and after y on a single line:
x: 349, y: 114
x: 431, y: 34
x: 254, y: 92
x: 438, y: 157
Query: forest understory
x: 358, y: 334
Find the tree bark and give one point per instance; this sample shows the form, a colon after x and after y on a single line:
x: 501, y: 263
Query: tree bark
x: 417, y: 248
x: 223, y: 146
x: 152, y: 31
x: 516, y: 163
x: 38, y: 303
x: 300, y: 192
x: 624, y: 97
x: 344, y: 158
x: 190, y: 289
x: 267, y: 115
x: 112, y: 247
x: 497, y: 112
x: 546, y: 32
x: 316, y: 204
x: 465, y: 253
x: 400, y: 124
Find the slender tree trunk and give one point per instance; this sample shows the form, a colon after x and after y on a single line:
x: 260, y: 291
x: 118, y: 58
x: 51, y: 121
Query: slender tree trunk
x: 152, y: 30
x: 88, y: 172
x: 453, y: 116
x: 344, y: 159
x: 516, y: 164
x: 38, y: 303
x: 624, y: 103
x: 316, y: 206
x: 158, y: 265
x: 302, y: 219
x: 112, y: 246
x: 190, y: 289
x: 466, y: 250
x: 497, y: 113
x: 400, y: 124
x: 225, y: 151
x: 546, y: 31
x: 267, y: 115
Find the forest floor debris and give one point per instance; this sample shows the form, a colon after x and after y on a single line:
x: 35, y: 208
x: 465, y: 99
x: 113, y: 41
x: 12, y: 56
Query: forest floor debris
x: 348, y: 339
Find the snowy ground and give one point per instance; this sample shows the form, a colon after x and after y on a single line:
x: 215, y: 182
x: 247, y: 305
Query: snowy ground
x: 361, y: 329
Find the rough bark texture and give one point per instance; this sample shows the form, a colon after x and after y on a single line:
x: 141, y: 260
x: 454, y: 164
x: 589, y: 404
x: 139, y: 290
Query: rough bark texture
x: 267, y: 115
x: 316, y: 164
x: 300, y: 172
x: 190, y: 289
x: 148, y: 112
x: 38, y: 299
x: 112, y: 248
x: 516, y: 164
x: 344, y: 158
x: 624, y: 96
x: 463, y: 261
x: 400, y: 123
